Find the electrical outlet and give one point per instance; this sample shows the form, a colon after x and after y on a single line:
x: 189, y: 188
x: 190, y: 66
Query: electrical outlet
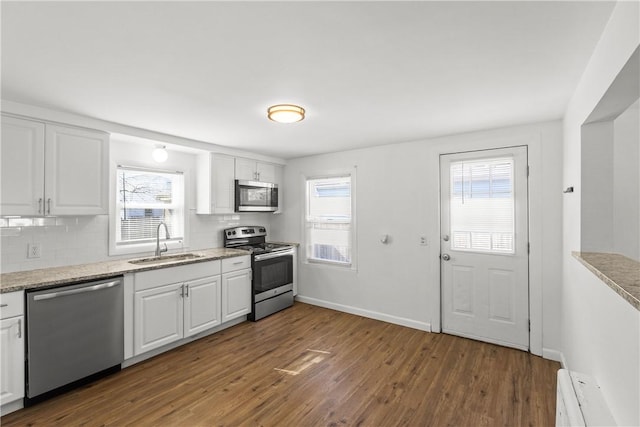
x: 34, y: 250
x: 423, y: 241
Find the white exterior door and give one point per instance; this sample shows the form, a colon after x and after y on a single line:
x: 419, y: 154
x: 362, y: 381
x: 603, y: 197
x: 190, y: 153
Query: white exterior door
x: 484, y: 246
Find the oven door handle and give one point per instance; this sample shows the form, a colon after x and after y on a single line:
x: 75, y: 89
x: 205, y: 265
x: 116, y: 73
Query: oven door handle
x: 270, y: 255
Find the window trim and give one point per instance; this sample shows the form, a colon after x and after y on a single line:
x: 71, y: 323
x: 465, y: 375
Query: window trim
x: 351, y: 172
x: 149, y: 246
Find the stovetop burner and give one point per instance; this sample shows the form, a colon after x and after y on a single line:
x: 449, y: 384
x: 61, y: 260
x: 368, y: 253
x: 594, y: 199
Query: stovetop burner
x: 252, y: 239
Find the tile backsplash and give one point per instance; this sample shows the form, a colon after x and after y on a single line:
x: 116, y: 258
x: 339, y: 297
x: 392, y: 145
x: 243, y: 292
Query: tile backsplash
x: 85, y: 239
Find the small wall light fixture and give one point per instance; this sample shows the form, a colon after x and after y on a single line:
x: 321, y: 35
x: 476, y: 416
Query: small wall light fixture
x: 160, y: 154
x: 285, y: 113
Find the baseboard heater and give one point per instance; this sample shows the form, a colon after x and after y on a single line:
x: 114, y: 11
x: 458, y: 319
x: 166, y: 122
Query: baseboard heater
x: 580, y: 402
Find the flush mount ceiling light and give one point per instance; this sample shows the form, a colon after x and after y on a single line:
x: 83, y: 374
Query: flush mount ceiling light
x: 160, y: 154
x: 285, y: 113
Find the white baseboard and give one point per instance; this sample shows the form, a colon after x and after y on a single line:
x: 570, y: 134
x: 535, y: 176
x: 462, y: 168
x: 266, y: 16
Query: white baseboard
x: 402, y: 321
x: 563, y: 362
x: 551, y: 354
x: 10, y: 407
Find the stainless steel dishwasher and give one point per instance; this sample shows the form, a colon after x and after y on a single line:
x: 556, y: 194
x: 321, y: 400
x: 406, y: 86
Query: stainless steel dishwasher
x: 74, y: 332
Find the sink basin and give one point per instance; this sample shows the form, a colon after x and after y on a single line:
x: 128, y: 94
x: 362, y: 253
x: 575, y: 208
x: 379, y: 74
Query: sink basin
x: 164, y: 259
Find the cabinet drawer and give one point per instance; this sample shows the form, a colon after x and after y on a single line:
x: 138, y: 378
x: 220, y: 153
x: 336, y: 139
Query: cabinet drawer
x: 236, y: 263
x: 11, y: 304
x: 169, y: 275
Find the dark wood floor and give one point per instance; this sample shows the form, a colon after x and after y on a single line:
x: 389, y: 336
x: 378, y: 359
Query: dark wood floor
x: 309, y: 366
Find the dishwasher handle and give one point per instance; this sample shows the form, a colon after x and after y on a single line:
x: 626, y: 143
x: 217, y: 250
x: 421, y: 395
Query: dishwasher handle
x: 97, y: 287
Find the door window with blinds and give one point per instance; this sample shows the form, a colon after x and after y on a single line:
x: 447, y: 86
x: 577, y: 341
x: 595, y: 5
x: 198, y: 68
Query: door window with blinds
x: 329, y: 225
x: 482, y: 206
x: 145, y: 198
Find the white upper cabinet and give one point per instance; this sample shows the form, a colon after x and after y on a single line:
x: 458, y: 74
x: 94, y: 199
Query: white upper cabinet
x: 53, y: 170
x: 76, y: 171
x: 22, y: 167
x: 215, y: 184
x: 252, y: 170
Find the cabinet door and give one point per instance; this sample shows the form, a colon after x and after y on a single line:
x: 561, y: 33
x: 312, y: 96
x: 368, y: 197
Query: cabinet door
x: 21, y: 167
x: 246, y: 169
x: 76, y: 180
x: 236, y: 294
x: 11, y: 359
x: 266, y: 172
x: 215, y: 183
x: 158, y: 317
x: 223, y: 184
x: 201, y: 305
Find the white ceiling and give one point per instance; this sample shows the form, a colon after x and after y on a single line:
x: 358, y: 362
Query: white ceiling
x: 368, y: 73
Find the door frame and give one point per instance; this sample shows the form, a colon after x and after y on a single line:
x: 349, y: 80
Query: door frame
x: 479, y: 155
x: 533, y: 141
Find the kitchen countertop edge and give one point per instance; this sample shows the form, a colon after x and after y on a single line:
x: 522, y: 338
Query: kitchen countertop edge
x: 58, y: 276
x: 620, y: 273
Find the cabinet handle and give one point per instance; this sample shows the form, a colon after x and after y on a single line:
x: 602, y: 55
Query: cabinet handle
x: 186, y: 287
x: 49, y: 206
x: 19, y: 328
x: 40, y: 205
x: 238, y: 263
x: 4, y: 305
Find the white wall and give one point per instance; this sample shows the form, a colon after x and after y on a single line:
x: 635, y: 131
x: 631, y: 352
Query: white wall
x: 597, y: 197
x: 397, y: 193
x: 600, y: 330
x: 626, y: 183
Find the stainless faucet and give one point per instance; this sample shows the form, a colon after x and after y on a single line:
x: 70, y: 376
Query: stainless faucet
x: 166, y: 234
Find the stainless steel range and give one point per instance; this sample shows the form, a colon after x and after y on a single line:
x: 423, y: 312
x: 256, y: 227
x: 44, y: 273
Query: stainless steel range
x: 272, y: 266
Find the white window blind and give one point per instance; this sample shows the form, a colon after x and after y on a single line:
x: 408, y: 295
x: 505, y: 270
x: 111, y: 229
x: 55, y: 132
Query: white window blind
x: 145, y: 199
x: 328, y: 220
x: 482, y: 206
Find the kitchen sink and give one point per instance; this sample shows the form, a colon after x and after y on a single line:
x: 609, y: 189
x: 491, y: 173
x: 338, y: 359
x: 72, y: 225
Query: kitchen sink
x: 164, y: 259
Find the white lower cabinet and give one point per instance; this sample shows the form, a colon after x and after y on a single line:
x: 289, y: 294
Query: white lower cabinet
x: 236, y: 294
x: 201, y: 305
x: 168, y: 313
x: 173, y: 303
x: 12, y: 330
x: 159, y: 317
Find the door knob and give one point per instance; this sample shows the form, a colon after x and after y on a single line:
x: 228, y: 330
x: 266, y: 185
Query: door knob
x: 446, y: 257
x: 445, y: 237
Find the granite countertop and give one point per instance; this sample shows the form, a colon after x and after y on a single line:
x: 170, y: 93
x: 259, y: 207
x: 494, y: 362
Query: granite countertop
x: 620, y: 273
x: 56, y: 276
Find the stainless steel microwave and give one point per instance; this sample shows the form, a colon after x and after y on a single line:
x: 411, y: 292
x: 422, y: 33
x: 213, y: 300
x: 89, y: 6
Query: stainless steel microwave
x: 256, y: 196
